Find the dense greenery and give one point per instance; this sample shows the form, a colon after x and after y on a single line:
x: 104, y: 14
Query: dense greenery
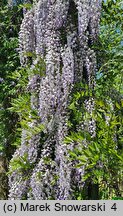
x: 102, y: 158
x: 9, y: 62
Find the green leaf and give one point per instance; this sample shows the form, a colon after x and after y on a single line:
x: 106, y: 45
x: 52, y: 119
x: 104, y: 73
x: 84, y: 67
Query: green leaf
x: 68, y: 139
x: 117, y: 105
x: 122, y: 102
x: 72, y: 106
x: 79, y: 165
x: 82, y: 158
x: 87, y: 153
x: 72, y: 154
x: 100, y: 103
x: 25, y: 5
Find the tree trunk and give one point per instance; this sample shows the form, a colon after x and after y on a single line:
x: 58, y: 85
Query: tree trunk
x: 3, y: 179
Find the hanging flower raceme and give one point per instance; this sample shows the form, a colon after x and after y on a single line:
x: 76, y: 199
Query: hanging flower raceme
x: 59, y: 32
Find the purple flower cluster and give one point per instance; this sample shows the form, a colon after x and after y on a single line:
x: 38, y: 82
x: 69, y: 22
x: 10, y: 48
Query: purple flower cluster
x: 26, y: 37
x: 50, y: 31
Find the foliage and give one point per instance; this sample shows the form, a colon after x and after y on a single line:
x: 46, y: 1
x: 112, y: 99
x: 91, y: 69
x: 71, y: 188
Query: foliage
x: 9, y: 61
x: 102, y: 155
x: 22, y: 103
